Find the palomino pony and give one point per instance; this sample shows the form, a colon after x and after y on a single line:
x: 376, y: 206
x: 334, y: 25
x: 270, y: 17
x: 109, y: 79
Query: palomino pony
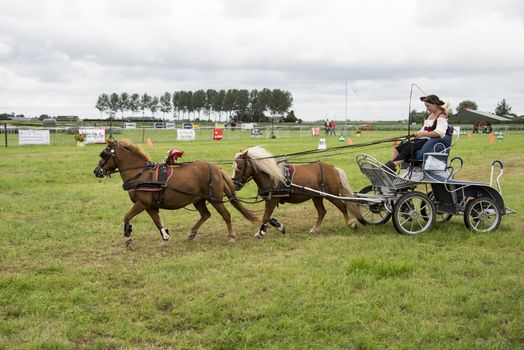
x: 276, y: 184
x: 153, y: 186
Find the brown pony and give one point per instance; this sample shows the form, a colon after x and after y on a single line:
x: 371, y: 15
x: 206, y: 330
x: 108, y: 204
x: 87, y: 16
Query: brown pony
x: 192, y: 183
x: 275, y: 187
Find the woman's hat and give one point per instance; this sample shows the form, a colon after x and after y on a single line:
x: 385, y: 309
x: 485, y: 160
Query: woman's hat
x: 433, y: 99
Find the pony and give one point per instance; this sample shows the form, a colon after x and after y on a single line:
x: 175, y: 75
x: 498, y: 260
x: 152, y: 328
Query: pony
x: 152, y: 187
x: 278, y: 183
x: 482, y: 124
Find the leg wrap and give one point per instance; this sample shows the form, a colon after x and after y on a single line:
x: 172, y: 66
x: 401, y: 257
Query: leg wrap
x: 164, y: 232
x: 274, y: 222
x: 128, y: 228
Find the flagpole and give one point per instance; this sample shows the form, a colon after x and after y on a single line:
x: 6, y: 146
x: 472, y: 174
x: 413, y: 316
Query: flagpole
x: 346, y: 102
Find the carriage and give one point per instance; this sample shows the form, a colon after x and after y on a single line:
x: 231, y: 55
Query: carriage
x: 426, y: 192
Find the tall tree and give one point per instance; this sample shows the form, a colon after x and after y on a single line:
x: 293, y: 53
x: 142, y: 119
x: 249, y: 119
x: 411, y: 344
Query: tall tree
x: 229, y: 101
x: 198, y: 100
x: 114, y: 102
x: 145, y: 102
x: 177, y: 104
x: 165, y: 104
x: 208, y: 105
x: 218, y: 103
x: 503, y: 108
x: 124, y: 103
x: 154, y: 105
x: 134, y: 103
x: 241, y: 104
x: 102, y: 104
x: 469, y: 104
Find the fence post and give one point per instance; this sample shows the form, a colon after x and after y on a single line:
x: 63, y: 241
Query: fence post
x: 5, y: 133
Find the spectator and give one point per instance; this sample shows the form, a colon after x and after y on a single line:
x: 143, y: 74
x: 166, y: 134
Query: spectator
x: 332, y: 127
x: 326, y: 126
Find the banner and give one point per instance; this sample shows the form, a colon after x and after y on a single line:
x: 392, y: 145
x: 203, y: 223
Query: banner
x: 33, y: 137
x: 315, y: 131
x: 130, y: 125
x: 185, y: 135
x: 218, y: 134
x: 170, y: 125
x: 247, y: 126
x: 94, y: 135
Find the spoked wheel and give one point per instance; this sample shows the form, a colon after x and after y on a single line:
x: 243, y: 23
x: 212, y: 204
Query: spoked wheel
x: 373, y: 213
x: 482, y: 214
x: 441, y: 216
x: 413, y: 213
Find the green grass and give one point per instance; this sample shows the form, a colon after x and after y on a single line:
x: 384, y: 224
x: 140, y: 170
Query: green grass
x: 67, y: 282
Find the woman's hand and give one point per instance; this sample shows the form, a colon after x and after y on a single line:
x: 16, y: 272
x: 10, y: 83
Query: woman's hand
x: 419, y: 134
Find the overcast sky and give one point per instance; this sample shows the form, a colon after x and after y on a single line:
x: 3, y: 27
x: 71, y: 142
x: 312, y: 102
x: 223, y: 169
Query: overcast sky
x: 58, y: 56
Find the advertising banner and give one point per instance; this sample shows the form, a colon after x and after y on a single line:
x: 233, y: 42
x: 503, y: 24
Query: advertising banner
x: 218, y: 134
x: 185, y: 135
x: 94, y: 135
x: 33, y: 137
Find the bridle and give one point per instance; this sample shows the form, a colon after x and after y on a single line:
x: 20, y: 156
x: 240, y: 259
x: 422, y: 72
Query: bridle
x: 241, y: 182
x: 110, y: 152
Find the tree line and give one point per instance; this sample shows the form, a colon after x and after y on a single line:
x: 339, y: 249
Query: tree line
x: 238, y: 104
x: 502, y: 109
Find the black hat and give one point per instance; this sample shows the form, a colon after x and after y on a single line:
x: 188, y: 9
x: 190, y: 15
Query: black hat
x: 433, y: 99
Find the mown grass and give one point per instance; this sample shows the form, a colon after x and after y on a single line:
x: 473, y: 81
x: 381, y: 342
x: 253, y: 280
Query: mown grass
x: 67, y: 282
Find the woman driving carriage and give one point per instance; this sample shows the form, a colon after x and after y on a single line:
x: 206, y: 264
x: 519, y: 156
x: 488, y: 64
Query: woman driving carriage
x: 435, y: 126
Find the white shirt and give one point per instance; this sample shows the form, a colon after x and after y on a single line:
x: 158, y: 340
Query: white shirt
x: 442, y: 125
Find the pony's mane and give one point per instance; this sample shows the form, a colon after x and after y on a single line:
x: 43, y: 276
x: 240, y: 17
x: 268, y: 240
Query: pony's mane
x: 264, y: 162
x: 134, y: 149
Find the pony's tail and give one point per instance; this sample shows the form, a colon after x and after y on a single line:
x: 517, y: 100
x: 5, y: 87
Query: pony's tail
x: 229, y: 189
x: 345, y: 190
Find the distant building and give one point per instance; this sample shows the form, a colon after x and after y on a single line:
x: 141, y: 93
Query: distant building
x: 67, y: 118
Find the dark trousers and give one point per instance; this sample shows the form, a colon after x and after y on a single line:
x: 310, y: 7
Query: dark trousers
x: 407, y: 150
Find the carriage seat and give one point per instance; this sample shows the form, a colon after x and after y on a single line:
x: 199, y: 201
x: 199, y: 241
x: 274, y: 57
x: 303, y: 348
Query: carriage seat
x: 436, y: 144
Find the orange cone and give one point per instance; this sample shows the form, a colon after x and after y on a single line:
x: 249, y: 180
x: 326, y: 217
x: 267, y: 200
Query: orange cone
x: 469, y: 135
x: 349, y: 142
x: 149, y: 143
x: 492, y: 138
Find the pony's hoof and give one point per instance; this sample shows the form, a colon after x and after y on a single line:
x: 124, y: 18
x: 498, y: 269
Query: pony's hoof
x: 314, y: 230
x: 259, y: 235
x: 353, y: 225
x: 191, y: 236
x: 232, y: 241
x: 128, y: 243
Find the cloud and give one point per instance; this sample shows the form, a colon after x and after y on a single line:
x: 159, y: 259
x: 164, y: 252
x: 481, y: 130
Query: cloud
x: 62, y: 51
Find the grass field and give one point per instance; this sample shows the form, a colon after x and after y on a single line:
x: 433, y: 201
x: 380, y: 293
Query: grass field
x: 67, y: 282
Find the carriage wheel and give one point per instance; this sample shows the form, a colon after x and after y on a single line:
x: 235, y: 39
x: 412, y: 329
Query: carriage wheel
x: 441, y: 216
x: 413, y: 213
x: 373, y: 213
x: 482, y: 214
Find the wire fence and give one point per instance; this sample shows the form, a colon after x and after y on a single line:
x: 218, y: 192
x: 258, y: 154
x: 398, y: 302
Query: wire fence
x: 66, y: 136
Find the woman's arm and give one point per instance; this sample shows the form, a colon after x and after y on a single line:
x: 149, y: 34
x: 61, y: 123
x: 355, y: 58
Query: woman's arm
x: 440, y: 130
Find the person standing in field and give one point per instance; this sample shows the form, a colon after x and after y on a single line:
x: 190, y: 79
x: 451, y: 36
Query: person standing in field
x: 332, y: 126
x: 326, y: 126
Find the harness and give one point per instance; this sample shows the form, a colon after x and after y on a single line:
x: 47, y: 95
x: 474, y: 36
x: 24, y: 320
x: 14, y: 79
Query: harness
x: 157, y: 181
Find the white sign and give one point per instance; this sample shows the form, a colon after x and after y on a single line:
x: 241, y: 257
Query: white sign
x: 247, y: 126
x: 322, y: 145
x: 33, y: 137
x: 94, y: 135
x: 130, y: 125
x: 170, y: 125
x: 185, y: 135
